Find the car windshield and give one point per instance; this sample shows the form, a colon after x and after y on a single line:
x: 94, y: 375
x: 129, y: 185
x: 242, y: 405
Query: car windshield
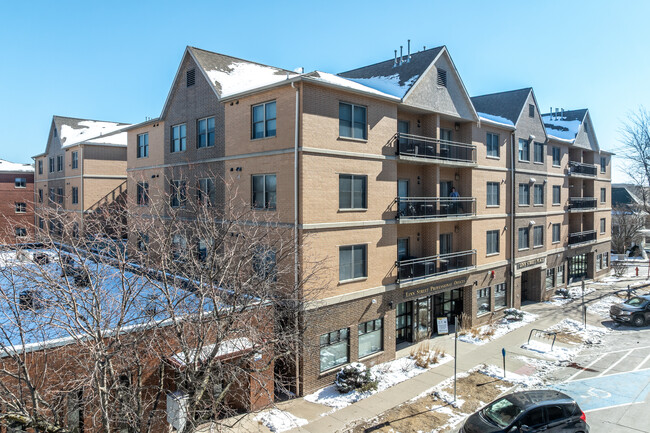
x: 502, y: 412
x: 636, y: 302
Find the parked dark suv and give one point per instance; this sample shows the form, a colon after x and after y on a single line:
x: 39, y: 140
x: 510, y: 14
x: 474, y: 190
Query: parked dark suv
x: 635, y: 311
x: 529, y: 411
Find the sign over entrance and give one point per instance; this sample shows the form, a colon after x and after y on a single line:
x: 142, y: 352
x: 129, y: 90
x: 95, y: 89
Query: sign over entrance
x: 531, y: 262
x: 443, y: 326
x: 436, y: 287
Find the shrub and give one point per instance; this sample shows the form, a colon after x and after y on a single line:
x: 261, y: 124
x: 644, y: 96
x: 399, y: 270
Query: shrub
x: 355, y: 376
x: 619, y: 268
x: 424, y: 356
x: 513, y: 314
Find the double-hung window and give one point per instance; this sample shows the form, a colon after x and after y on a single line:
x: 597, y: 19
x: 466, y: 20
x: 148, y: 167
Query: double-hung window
x: 40, y: 195
x: 264, y: 191
x: 538, y: 236
x: 539, y: 152
x: 492, y: 142
x: 142, y: 196
x: 556, y: 232
x: 51, y: 167
x: 143, y: 146
x: 483, y: 300
x: 334, y: 349
x: 492, y: 194
x: 603, y: 164
x: 524, y: 194
x: 524, y: 150
x: 178, y: 193
x: 20, y: 207
x: 500, y: 300
x: 20, y: 182
x: 523, y: 240
x: 539, y: 194
x: 59, y: 193
x: 178, y: 139
x: 52, y: 195
x: 75, y: 195
x: 352, y: 191
x: 492, y: 242
x: 264, y: 118
x: 603, y: 195
x: 352, y: 121
x: 75, y: 159
x: 40, y: 166
x: 370, y: 337
x: 557, y: 194
x: 205, y: 129
x: 352, y: 262
x: 556, y: 157
x: 20, y: 232
x: 206, y: 193
x: 59, y: 163
x: 603, y: 225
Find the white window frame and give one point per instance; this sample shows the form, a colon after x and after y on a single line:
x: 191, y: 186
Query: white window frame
x: 206, y: 133
x: 488, y: 195
x: 537, y: 188
x: 20, y: 207
x: 603, y: 225
x: 537, y: 145
x: 353, y: 121
x: 497, y: 248
x: 492, y: 140
x: 265, y: 121
x: 20, y: 182
x: 206, y: 193
x: 142, y: 194
x: 74, y: 195
x: 527, y: 195
x: 364, y: 201
x: 559, y: 157
x: 559, y: 198
x: 364, y: 251
x: 520, y: 231
x: 178, y: 193
x: 142, y: 148
x: 523, y: 144
x: 181, y: 140
x: 538, y: 230
x: 559, y: 233
x: 267, y: 205
x: 75, y: 160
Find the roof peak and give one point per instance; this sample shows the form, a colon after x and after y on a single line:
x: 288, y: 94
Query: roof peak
x: 190, y: 47
x: 439, y: 48
x: 504, y: 92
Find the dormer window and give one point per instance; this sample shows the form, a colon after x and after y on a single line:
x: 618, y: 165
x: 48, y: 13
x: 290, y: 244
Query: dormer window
x: 442, y: 77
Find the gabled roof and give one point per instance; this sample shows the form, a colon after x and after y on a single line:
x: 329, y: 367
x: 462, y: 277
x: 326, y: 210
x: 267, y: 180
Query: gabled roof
x: 395, y: 79
x: 502, y: 107
x: 72, y: 131
x: 13, y: 167
x: 564, y: 126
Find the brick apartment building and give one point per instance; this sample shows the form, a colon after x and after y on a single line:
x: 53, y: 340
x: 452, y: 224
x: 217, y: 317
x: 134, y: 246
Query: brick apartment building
x: 418, y: 201
x: 83, y: 167
x: 17, y: 207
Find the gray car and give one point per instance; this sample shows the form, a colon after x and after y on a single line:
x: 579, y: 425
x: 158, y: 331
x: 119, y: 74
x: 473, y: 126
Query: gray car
x: 635, y: 311
x: 527, y: 412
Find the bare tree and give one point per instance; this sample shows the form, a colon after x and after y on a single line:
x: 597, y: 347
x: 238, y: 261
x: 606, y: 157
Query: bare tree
x: 636, y: 140
x: 200, y: 309
x: 626, y: 223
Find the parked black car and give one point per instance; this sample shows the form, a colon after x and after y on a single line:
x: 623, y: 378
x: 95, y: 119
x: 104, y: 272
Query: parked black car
x: 529, y: 411
x: 636, y: 311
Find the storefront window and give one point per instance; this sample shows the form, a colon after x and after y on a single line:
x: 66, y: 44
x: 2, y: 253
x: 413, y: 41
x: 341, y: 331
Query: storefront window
x: 370, y: 337
x: 403, y: 321
x: 334, y: 349
x: 500, y: 300
x: 483, y: 300
x: 560, y: 274
x: 599, y: 262
x: 550, y: 276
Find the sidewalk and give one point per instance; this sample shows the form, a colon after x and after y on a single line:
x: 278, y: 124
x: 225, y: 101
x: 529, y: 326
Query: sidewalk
x: 324, y: 419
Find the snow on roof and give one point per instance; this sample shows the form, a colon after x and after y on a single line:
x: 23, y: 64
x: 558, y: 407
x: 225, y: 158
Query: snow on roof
x: 388, y: 84
x: 336, y: 80
x: 91, y: 129
x: 242, y: 76
x: 561, y: 128
x: 11, y: 167
x: 226, y: 347
x: 495, y: 119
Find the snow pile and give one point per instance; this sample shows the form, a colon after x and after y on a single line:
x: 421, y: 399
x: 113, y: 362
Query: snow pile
x: 489, y: 332
x: 243, y: 76
x: 590, y: 335
x: 6, y: 166
x: 390, y: 84
x: 278, y: 420
x: 89, y: 129
x: 387, y: 375
x: 517, y: 379
x: 601, y: 308
x: 573, y: 293
x: 353, y: 84
x: 555, y: 352
x: 495, y: 119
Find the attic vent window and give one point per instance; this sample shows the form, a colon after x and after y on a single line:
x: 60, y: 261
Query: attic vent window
x: 531, y: 110
x: 54, y: 132
x: 442, y: 77
x: 191, y: 76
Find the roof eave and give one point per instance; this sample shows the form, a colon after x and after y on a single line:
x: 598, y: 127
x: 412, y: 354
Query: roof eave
x: 495, y: 123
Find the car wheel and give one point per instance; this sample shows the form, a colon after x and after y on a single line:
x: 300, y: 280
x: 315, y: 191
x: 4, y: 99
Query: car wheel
x: 638, y: 320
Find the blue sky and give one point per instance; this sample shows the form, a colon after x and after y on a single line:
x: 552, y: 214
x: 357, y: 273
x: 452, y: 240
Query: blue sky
x: 116, y: 60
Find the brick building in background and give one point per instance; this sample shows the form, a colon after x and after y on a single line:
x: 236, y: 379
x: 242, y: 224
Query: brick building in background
x: 16, y: 203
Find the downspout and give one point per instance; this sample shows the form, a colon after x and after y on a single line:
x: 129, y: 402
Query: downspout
x: 295, y: 223
x: 512, y: 220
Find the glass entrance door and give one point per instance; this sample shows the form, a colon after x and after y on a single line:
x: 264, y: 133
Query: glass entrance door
x: 448, y: 304
x: 422, y: 314
x: 404, y: 322
x: 577, y: 267
x: 402, y: 191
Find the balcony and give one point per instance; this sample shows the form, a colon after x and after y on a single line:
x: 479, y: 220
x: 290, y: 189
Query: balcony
x: 433, y: 266
x: 578, y: 169
x: 425, y: 149
x: 417, y: 209
x: 582, y: 204
x: 582, y: 237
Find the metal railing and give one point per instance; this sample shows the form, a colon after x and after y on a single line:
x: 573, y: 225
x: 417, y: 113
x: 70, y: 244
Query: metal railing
x: 409, y: 208
x: 581, y: 237
x: 418, y: 268
x: 582, y: 168
x: 434, y: 148
x: 582, y: 202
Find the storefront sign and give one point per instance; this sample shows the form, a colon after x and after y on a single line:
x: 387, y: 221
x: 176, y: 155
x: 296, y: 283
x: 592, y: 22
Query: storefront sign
x: 532, y: 262
x: 443, y: 327
x: 437, y: 287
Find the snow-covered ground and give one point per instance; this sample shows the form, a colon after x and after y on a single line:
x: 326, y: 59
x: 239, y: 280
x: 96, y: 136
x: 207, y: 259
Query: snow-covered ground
x: 387, y: 374
x: 501, y: 327
x: 601, y: 308
x: 590, y: 335
x: 574, y: 293
x: 279, y: 420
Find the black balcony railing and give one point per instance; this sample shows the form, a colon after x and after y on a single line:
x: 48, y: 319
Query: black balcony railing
x: 410, y: 208
x: 434, y: 148
x: 582, y: 237
x: 414, y: 269
x: 582, y: 203
x: 581, y: 168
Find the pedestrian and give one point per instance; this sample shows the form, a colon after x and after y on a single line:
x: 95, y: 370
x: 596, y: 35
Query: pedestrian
x: 454, y: 199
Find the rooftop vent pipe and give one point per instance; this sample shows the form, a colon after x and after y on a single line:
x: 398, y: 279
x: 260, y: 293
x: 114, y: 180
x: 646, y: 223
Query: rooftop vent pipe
x: 409, y: 51
x: 401, y: 55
